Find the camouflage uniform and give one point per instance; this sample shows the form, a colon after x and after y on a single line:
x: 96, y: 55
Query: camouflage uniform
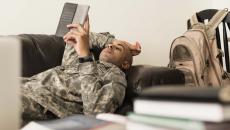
x: 88, y: 88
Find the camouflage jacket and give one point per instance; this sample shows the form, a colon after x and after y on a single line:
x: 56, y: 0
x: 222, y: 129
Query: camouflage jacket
x: 89, y: 88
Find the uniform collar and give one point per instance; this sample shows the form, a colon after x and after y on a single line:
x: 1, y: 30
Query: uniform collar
x: 107, y: 64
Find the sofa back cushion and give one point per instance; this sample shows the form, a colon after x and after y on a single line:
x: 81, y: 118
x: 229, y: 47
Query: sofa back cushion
x: 40, y: 52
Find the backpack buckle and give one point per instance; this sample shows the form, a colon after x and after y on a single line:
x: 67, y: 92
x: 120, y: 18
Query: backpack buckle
x: 225, y: 75
x: 220, y: 54
x: 171, y: 65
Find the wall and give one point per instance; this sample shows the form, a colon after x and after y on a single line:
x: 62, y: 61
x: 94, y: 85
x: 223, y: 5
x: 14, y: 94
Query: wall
x: 221, y: 4
x: 30, y: 16
x: 155, y: 23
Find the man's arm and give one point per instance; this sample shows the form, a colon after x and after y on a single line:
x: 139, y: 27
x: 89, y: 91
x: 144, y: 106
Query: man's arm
x: 101, y: 94
x: 78, y: 38
x: 99, y: 41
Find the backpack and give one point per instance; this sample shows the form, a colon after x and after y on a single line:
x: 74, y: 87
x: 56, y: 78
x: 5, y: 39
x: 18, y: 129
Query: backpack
x: 197, y: 56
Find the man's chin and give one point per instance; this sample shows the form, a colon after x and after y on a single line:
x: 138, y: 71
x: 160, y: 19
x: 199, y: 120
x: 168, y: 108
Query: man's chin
x: 105, y: 59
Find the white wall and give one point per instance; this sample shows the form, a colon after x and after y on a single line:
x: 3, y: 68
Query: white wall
x: 155, y: 23
x: 30, y: 16
x: 221, y: 4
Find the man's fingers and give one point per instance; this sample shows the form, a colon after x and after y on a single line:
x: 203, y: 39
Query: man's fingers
x: 135, y: 48
x: 73, y: 26
x: 138, y: 45
x: 73, y: 32
x: 70, y: 37
x: 70, y: 42
x: 86, y: 24
x: 78, y: 27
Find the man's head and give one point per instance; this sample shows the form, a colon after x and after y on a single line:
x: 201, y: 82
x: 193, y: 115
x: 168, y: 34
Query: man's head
x: 117, y: 53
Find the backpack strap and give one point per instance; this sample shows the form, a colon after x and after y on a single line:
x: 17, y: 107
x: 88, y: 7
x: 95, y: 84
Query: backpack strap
x: 211, y: 61
x: 228, y: 24
x: 217, y: 19
x: 226, y: 47
x: 194, y: 20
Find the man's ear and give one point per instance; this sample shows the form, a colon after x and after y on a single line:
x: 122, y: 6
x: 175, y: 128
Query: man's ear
x: 125, y: 65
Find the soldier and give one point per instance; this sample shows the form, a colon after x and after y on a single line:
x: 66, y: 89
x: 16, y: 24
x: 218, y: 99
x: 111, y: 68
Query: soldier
x: 80, y: 85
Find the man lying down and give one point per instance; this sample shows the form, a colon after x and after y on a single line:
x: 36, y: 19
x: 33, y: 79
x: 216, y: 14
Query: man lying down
x: 80, y: 85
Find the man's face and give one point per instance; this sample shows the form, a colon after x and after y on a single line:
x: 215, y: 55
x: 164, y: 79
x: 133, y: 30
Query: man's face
x: 115, y: 53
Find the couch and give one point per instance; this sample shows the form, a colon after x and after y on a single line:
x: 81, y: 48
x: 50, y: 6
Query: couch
x: 41, y: 52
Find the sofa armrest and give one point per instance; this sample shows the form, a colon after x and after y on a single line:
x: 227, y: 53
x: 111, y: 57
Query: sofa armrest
x: 143, y: 76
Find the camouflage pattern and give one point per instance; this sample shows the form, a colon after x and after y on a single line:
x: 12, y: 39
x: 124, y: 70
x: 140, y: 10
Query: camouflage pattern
x: 97, y: 42
x: 83, y: 88
x: 34, y: 111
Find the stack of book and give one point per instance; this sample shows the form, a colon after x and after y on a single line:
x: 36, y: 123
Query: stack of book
x: 180, y: 108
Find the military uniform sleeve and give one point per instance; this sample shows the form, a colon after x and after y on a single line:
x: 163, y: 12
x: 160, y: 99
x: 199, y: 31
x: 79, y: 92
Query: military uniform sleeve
x: 101, y: 94
x: 97, y: 42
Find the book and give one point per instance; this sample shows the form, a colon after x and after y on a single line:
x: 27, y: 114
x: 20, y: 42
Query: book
x: 71, y: 13
x: 175, y: 123
x: 207, y: 94
x: 112, y: 118
x: 131, y: 125
x: 77, y: 122
x: 204, y: 104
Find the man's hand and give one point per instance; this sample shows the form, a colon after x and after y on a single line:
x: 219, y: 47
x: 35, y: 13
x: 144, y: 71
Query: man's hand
x: 134, y: 48
x: 78, y: 37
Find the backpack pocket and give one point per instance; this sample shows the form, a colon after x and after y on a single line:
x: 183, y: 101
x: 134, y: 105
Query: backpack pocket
x: 186, y: 56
